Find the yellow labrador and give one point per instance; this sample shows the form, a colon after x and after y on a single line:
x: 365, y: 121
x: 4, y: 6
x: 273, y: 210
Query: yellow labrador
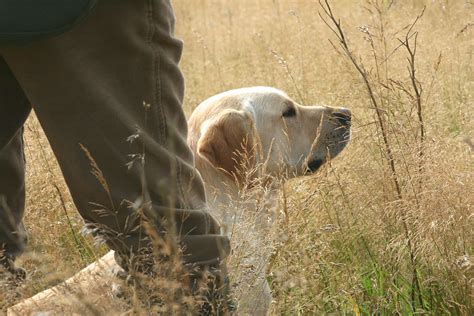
x: 231, y: 134
x: 235, y: 131
x: 258, y: 132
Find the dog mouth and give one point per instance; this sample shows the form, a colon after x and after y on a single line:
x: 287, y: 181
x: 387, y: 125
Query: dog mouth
x: 314, y: 165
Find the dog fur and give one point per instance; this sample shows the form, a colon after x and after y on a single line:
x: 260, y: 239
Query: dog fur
x: 258, y: 137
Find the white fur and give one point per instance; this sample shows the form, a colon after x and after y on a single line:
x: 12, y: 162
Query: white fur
x: 286, y: 145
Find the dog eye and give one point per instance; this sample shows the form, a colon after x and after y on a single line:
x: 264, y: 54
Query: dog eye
x: 290, y: 112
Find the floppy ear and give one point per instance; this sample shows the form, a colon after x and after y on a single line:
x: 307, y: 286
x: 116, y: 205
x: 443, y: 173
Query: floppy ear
x: 228, y: 142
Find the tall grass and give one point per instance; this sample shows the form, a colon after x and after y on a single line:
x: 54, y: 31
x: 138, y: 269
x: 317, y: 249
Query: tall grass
x: 385, y: 228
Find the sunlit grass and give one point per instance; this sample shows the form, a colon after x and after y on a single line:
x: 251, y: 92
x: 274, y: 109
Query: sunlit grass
x: 343, y: 246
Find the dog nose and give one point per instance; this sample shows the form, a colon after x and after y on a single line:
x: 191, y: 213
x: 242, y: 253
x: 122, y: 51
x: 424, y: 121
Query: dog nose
x: 343, y: 116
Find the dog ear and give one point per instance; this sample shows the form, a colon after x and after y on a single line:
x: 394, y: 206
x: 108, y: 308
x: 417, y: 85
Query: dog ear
x: 227, y: 142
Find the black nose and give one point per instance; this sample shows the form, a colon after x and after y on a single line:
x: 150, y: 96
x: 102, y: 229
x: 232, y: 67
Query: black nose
x: 343, y: 116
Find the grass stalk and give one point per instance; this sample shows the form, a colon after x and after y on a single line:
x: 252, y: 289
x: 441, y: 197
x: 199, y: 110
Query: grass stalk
x: 334, y: 24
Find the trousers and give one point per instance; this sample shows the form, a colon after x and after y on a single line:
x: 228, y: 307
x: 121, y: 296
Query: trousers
x: 108, y: 95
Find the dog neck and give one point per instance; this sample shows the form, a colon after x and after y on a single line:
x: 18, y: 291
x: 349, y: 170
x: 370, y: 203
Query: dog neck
x: 251, y: 203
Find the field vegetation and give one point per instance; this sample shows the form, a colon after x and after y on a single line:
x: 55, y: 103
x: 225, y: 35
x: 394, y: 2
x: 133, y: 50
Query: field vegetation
x: 386, y: 227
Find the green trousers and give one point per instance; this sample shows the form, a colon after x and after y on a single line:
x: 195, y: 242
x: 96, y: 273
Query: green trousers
x: 109, y: 91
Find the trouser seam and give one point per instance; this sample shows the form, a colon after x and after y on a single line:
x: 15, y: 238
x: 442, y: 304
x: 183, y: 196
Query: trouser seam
x: 156, y: 64
x: 179, y: 179
x: 158, y: 102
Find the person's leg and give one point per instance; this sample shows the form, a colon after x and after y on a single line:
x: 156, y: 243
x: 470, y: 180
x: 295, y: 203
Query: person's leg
x: 111, y: 90
x: 14, y: 109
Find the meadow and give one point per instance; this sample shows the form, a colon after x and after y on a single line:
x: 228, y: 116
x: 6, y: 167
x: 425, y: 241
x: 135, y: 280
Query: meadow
x: 385, y: 228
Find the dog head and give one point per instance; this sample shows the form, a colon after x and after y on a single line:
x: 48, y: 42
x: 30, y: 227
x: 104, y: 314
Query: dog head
x: 263, y: 125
